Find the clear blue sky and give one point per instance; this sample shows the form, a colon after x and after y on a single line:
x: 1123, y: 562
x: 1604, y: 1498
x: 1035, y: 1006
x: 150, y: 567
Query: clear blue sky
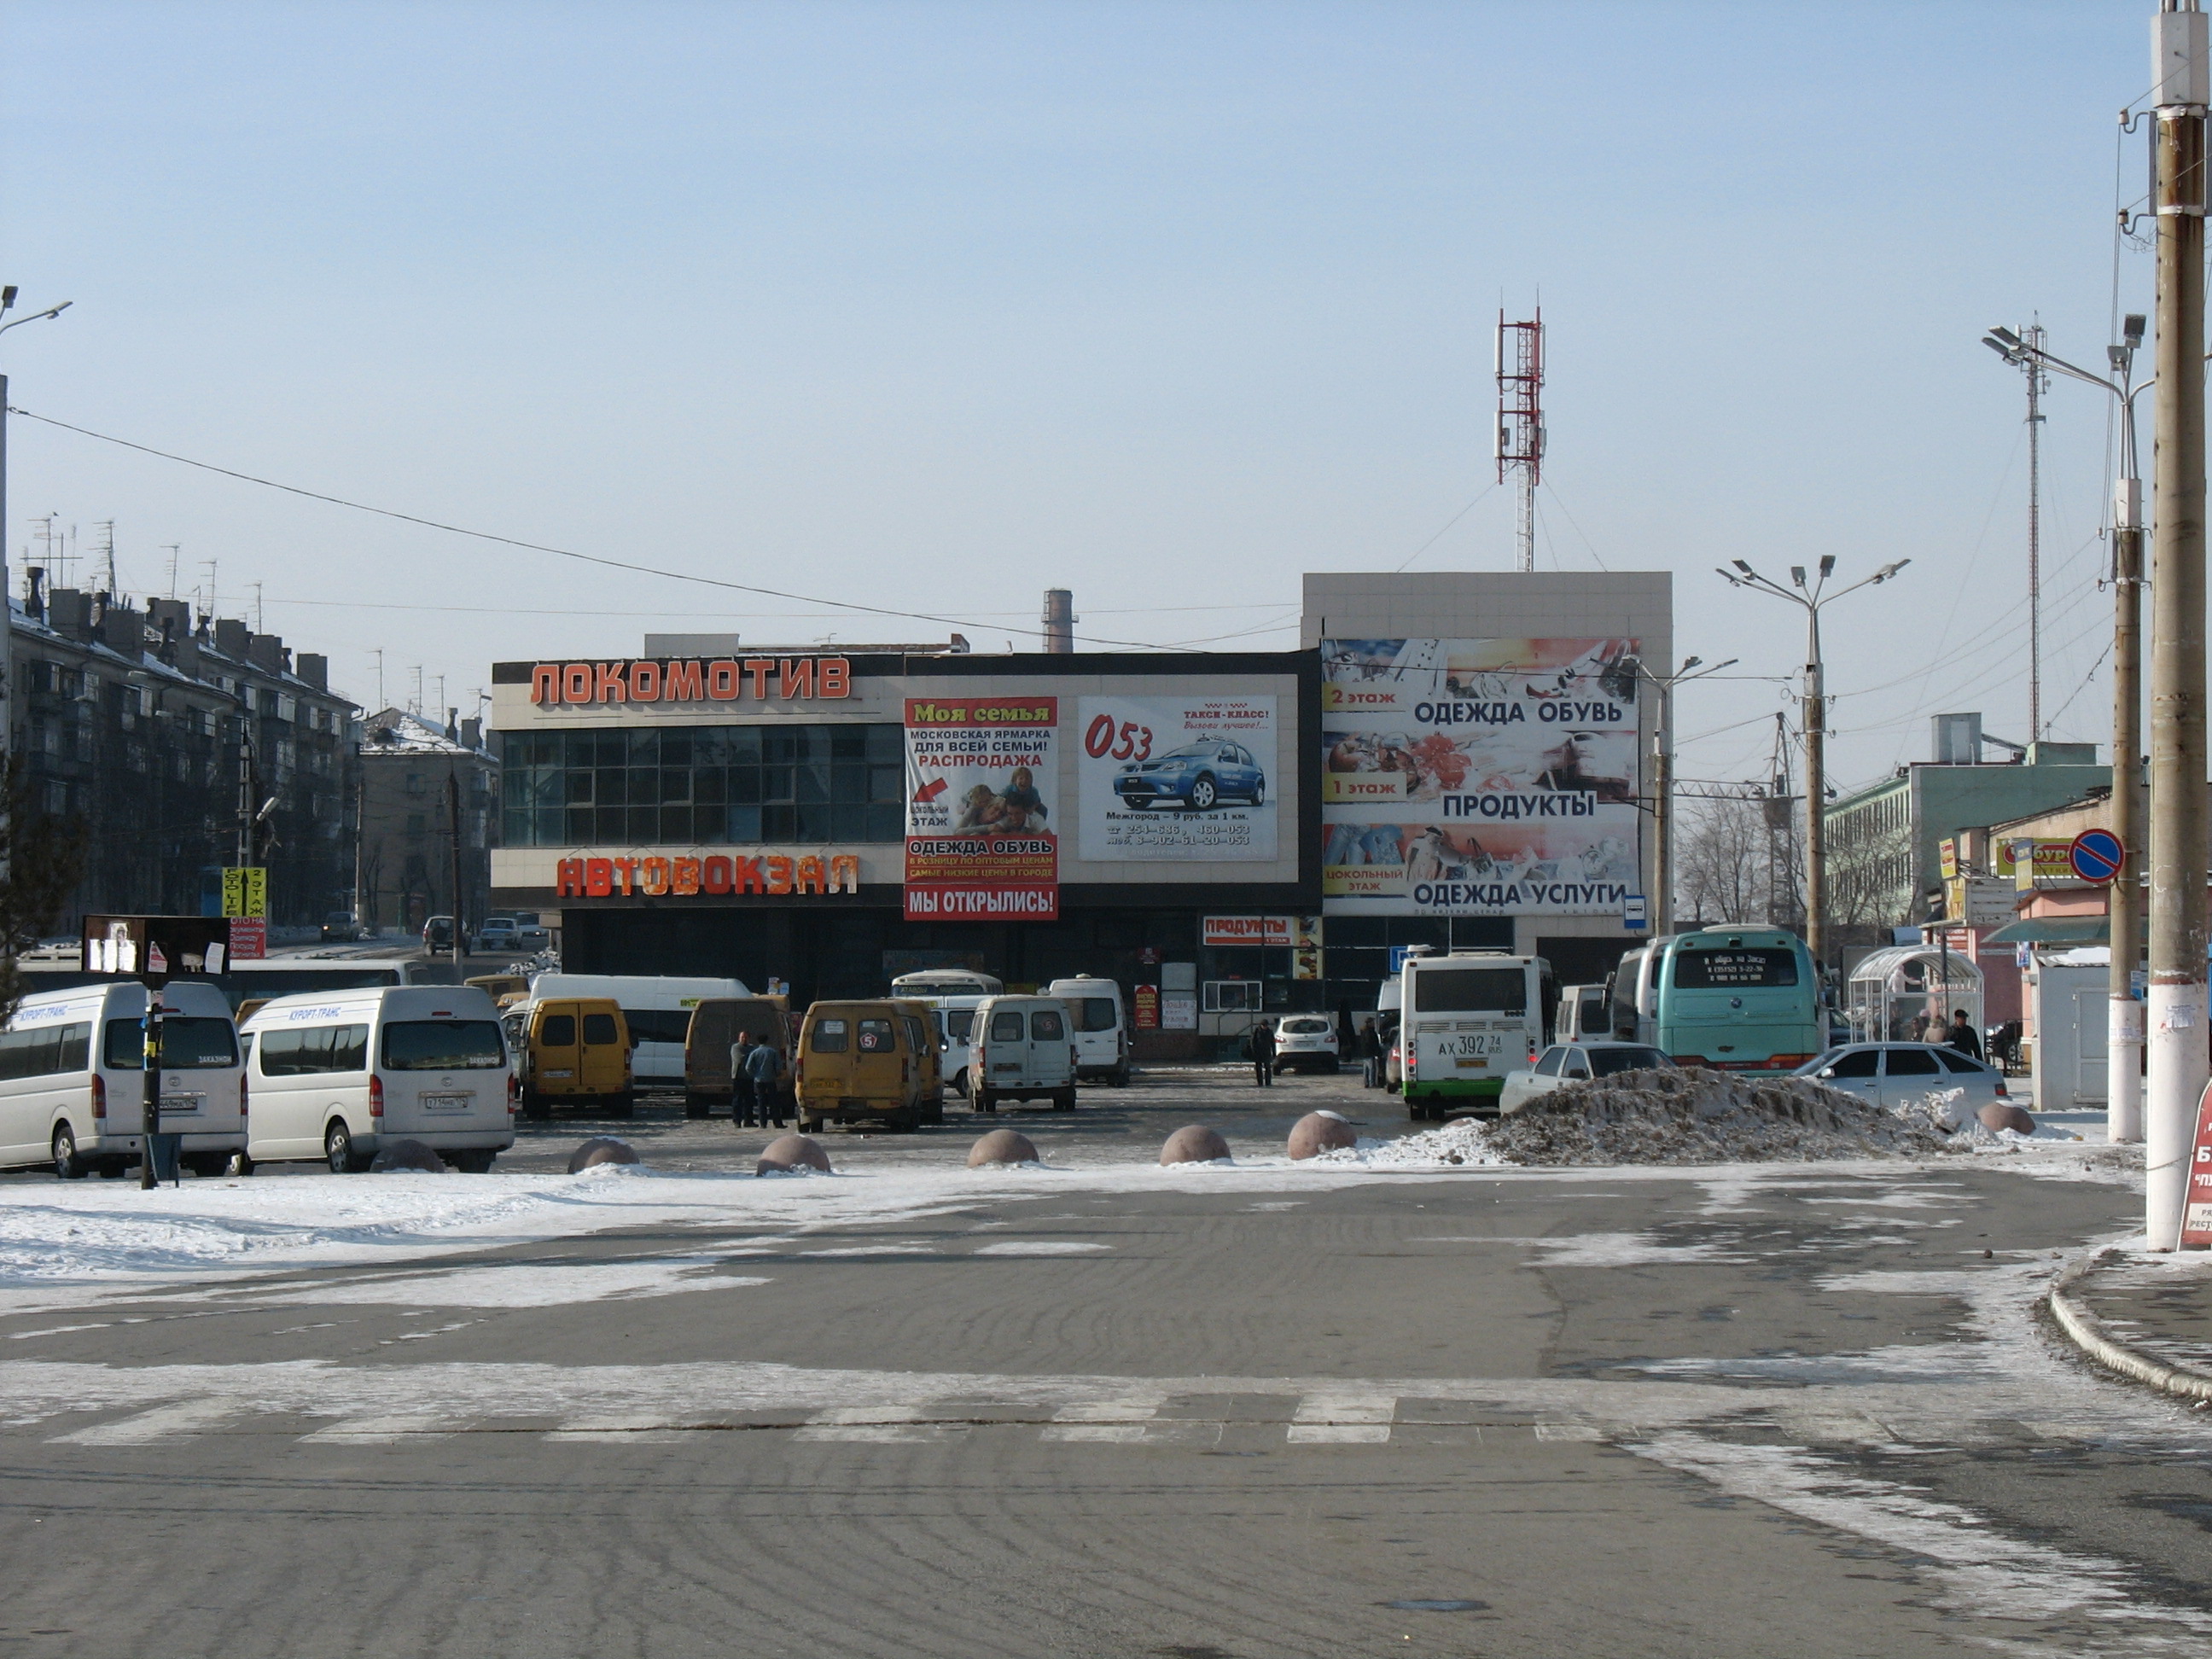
x: 938, y: 304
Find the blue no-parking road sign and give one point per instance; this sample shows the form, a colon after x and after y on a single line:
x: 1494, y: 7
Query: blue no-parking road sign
x: 2096, y: 856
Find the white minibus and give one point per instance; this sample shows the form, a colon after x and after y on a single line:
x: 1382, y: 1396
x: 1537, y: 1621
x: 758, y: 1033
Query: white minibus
x: 1022, y: 1049
x: 333, y: 1078
x: 657, y: 1008
x: 1101, y: 1033
x: 926, y: 983
x: 956, y: 1022
x: 73, y: 1079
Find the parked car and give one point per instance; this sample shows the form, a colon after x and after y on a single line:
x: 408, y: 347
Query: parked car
x: 339, y: 928
x: 438, y: 933
x: 1306, y: 1042
x: 497, y: 933
x: 1576, y: 1063
x: 1198, y: 775
x: 530, y: 936
x: 570, y: 1051
x: 1911, y: 1074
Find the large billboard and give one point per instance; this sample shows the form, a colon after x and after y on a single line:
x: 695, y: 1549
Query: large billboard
x: 982, y: 805
x: 1480, y: 777
x: 1177, y: 779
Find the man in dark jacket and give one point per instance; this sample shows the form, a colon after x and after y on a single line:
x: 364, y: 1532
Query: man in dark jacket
x: 1964, y: 1037
x: 1370, y: 1056
x: 1263, y: 1054
x: 742, y: 1104
x: 765, y: 1067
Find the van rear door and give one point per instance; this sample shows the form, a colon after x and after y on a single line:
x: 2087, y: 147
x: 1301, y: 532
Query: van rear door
x: 603, y: 1061
x: 556, y: 1050
x: 879, y: 1071
x: 441, y: 1073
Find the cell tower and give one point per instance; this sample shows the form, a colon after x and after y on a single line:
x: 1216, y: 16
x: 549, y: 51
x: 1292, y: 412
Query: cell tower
x: 1520, y: 419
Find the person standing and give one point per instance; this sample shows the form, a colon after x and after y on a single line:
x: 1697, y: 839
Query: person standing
x: 1964, y: 1037
x: 1370, y: 1055
x: 1263, y: 1054
x: 765, y: 1068
x: 742, y: 1102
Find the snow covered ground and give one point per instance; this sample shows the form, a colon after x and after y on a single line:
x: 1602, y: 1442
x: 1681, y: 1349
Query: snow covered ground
x: 69, y: 1244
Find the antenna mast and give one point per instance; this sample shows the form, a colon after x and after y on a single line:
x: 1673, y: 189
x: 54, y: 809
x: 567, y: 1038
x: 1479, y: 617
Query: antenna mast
x: 1520, y: 420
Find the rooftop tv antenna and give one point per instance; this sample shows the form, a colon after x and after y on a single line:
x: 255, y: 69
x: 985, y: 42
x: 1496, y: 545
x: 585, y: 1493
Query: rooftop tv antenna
x: 1520, y: 420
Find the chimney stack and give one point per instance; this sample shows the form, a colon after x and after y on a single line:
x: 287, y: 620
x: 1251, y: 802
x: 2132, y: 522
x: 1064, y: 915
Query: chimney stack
x: 1059, y: 621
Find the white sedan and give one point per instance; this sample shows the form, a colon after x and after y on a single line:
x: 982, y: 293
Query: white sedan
x: 1911, y: 1074
x: 1576, y: 1063
x: 1305, y: 1042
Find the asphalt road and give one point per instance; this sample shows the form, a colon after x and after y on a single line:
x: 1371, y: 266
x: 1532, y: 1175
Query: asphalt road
x: 1790, y: 1411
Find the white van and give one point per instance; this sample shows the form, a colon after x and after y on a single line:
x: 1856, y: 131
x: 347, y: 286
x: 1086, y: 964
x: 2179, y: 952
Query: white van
x: 73, y: 1079
x: 657, y: 1008
x: 1021, y: 1049
x: 1101, y: 1031
x: 334, y: 1076
x: 927, y: 984
x: 956, y: 1024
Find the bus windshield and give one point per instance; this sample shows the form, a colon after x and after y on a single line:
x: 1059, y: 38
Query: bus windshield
x: 1728, y: 970
x: 1471, y: 990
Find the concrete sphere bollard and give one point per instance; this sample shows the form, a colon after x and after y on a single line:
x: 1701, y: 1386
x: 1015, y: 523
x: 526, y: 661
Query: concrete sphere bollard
x: 788, y: 1152
x: 407, y: 1157
x: 1320, y: 1132
x: 1194, y: 1144
x: 2002, y: 1114
x: 600, y: 1149
x: 1001, y: 1146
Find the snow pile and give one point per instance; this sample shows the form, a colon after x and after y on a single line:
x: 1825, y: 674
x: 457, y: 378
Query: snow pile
x: 1463, y: 1141
x: 1698, y: 1117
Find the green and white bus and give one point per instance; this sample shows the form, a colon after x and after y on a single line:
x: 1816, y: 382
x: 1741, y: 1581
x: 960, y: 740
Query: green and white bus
x: 1466, y: 1019
x: 1734, y: 999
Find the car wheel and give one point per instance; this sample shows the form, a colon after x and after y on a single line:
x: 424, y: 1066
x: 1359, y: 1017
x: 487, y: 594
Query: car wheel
x: 207, y: 1166
x: 695, y: 1106
x: 625, y: 1105
x: 338, y: 1152
x: 1064, y: 1101
x: 1260, y: 792
x: 1203, y: 794
x: 474, y: 1162
x: 985, y: 1101
x: 536, y: 1106
x: 67, y: 1165
x: 960, y: 1083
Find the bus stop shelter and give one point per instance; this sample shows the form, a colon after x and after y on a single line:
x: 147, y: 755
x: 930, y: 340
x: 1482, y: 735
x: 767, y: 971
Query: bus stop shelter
x: 1891, y: 988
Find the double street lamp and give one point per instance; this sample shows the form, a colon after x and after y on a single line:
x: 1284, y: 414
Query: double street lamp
x: 2124, y: 1015
x: 1811, y: 593
x: 1663, y: 789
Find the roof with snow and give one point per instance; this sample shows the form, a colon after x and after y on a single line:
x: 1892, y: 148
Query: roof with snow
x: 399, y: 732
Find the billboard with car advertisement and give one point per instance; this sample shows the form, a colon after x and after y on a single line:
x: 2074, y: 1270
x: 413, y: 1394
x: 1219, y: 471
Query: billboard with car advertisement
x: 982, y: 798
x: 1480, y: 777
x: 1176, y: 778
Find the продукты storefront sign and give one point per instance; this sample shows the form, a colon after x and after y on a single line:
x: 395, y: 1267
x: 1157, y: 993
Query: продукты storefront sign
x: 981, y: 797
x: 1479, y: 777
x: 1177, y: 779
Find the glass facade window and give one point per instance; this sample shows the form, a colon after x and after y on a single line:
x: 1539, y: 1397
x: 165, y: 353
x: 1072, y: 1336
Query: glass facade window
x: 703, y: 786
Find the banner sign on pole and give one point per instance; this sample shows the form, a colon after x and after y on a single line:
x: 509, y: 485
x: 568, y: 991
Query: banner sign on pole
x: 245, y: 890
x: 2197, y: 1200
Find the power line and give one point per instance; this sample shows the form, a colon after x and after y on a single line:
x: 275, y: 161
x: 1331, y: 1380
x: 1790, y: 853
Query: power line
x: 563, y: 552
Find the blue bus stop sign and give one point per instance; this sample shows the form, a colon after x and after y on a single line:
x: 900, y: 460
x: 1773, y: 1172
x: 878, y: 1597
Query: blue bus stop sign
x: 2096, y: 856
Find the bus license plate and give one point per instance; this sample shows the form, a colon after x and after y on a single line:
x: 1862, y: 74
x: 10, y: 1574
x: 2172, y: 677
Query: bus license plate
x: 445, y: 1103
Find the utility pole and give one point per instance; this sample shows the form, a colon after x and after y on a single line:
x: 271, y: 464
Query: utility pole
x: 454, y: 818
x: 2036, y: 385
x: 2178, y: 850
x: 1662, y: 787
x: 2124, y: 1018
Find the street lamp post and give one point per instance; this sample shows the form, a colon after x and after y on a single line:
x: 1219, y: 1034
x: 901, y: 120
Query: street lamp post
x: 7, y: 627
x: 2123, y: 1017
x: 1812, y: 595
x: 1662, y: 784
